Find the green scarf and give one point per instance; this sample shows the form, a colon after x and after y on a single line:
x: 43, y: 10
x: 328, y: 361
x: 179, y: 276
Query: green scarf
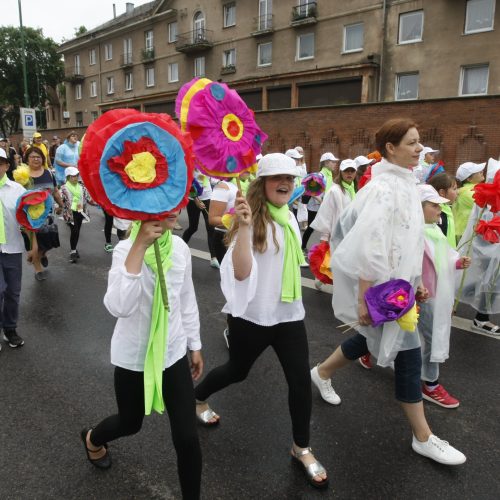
x: 291, y: 286
x: 349, y: 188
x: 158, y: 330
x: 76, y: 194
x: 435, y: 234
x: 328, y: 175
x: 450, y: 230
x: 3, y: 238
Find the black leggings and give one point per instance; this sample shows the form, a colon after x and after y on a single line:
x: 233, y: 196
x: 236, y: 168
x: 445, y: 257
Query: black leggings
x: 75, y: 229
x: 108, y: 227
x: 178, y: 395
x: 220, y: 248
x: 247, y: 341
x: 194, y: 218
x: 307, y: 233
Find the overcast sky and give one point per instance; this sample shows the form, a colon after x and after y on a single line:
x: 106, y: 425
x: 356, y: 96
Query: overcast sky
x: 59, y: 18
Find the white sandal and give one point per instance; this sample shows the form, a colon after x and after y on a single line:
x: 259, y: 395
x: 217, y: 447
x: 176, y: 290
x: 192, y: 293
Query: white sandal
x: 206, y: 416
x: 311, y: 470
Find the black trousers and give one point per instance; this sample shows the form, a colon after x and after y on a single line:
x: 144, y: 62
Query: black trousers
x: 307, y: 233
x: 108, y: 227
x: 194, y: 218
x: 75, y: 229
x: 220, y: 248
x: 178, y: 395
x: 247, y: 341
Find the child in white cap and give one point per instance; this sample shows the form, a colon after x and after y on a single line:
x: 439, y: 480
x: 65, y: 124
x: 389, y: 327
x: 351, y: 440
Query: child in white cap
x: 438, y: 275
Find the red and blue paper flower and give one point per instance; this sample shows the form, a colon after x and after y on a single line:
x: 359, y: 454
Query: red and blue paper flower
x: 33, y: 208
x: 137, y: 166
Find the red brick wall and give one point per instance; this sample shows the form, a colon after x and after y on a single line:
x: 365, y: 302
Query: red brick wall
x: 463, y: 129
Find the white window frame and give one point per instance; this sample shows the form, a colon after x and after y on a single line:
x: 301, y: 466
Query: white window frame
x: 480, y: 30
x: 110, y: 85
x: 78, y: 91
x: 108, y: 52
x: 229, y: 58
x: 463, y: 69
x: 92, y: 57
x: 93, y: 88
x: 171, y: 77
x: 259, y: 50
x: 149, y: 40
x: 413, y: 40
x: 299, y: 38
x: 150, y: 77
x: 198, y: 25
x: 129, y: 80
x: 398, y: 77
x: 172, y: 32
x: 346, y: 28
x: 228, y: 7
x: 199, y: 66
x: 77, y: 64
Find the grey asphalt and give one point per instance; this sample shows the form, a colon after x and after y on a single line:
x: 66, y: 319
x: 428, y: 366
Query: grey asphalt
x: 62, y: 380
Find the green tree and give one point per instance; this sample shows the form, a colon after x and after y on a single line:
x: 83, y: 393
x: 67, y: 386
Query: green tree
x: 80, y: 30
x: 44, y: 69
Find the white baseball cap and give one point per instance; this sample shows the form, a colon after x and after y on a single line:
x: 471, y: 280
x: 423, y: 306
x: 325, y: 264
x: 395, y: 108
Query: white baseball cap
x: 427, y: 149
x: 363, y: 160
x: 277, y: 164
x: 293, y: 153
x: 467, y: 169
x: 428, y: 193
x: 328, y: 156
x: 348, y: 163
x: 71, y: 171
x: 258, y: 157
x: 3, y: 154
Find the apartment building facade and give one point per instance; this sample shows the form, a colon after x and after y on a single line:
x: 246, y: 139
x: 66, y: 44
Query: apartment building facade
x: 283, y: 54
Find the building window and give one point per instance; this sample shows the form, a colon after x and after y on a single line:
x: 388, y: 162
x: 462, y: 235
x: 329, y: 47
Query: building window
x: 79, y: 118
x: 91, y: 57
x: 172, y: 32
x: 330, y: 92
x: 94, y: 115
x: 406, y: 86
x: 474, y: 80
x: 127, y: 51
x: 108, y: 52
x: 173, y: 72
x: 148, y: 39
x: 229, y: 14
x: 279, y: 97
x: 77, y: 64
x: 199, y: 66
x: 411, y: 27
x: 353, y: 37
x: 229, y: 58
x: 265, y: 54
x: 265, y: 14
x: 78, y: 91
x: 479, y: 16
x: 93, y: 88
x: 129, y: 81
x: 110, y: 84
x: 199, y: 26
x: 305, y: 46
x: 150, y: 77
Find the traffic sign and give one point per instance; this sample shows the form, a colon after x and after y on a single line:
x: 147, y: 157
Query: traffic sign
x: 28, y: 121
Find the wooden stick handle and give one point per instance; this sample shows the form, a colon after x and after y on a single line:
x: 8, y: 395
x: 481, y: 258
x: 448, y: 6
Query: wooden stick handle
x: 161, y: 276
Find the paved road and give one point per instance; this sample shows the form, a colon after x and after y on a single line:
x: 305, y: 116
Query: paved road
x: 61, y: 381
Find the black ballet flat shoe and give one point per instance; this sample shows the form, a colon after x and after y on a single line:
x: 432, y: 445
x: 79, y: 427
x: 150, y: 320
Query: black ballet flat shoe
x: 44, y: 261
x: 101, y: 463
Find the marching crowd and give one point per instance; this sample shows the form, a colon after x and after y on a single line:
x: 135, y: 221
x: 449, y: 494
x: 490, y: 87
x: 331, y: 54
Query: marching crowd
x: 393, y: 214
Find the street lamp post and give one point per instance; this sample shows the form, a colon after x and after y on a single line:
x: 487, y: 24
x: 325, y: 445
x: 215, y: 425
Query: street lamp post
x: 23, y: 55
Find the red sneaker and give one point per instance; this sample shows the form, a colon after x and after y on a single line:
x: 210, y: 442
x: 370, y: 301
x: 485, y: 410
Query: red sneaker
x: 365, y: 361
x: 440, y: 397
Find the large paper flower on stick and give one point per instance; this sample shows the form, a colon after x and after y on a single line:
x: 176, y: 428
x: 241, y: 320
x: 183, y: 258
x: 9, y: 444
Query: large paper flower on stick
x: 488, y: 193
x: 319, y: 262
x: 225, y: 134
x: 296, y: 195
x: 314, y: 184
x: 137, y: 166
x: 32, y: 209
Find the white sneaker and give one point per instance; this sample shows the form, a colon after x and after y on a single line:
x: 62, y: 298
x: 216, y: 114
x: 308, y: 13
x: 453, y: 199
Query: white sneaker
x: 438, y: 450
x: 214, y: 263
x: 325, y: 388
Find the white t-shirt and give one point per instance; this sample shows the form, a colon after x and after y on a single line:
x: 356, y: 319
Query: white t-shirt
x: 9, y: 194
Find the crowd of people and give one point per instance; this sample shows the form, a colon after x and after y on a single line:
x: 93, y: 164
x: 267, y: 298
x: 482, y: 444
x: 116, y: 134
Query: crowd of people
x: 393, y: 214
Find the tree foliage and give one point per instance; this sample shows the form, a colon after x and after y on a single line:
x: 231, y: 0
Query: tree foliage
x: 80, y: 30
x: 44, y: 68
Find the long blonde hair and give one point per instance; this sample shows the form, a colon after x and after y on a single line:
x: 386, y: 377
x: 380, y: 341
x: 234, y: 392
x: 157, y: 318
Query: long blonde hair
x: 256, y: 197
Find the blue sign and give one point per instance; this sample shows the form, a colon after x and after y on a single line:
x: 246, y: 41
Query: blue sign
x: 28, y: 121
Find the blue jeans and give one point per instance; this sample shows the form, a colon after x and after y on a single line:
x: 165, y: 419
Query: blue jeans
x: 407, y: 367
x: 11, y: 269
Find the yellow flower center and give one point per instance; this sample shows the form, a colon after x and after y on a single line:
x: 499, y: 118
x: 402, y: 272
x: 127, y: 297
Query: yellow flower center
x: 232, y: 127
x: 36, y: 211
x: 142, y: 168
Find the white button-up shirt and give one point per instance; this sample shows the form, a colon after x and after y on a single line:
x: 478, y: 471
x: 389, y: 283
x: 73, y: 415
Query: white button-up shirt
x: 9, y: 194
x: 129, y: 298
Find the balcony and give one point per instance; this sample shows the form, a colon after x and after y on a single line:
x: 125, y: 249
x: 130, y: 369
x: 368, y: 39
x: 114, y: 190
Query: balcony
x: 263, y: 25
x: 304, y: 14
x: 73, y: 74
x: 198, y: 40
x: 147, y: 55
x: 126, y: 60
x: 227, y: 70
